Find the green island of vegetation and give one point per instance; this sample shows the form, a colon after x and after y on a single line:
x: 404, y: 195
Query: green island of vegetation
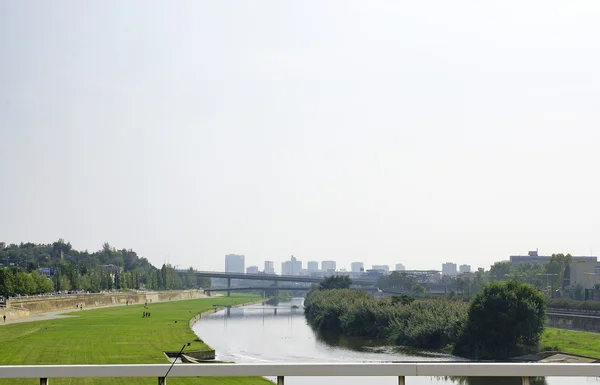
x: 506, y: 319
x: 115, y: 335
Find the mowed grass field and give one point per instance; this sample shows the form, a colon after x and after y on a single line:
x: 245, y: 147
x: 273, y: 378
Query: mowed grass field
x: 581, y: 343
x: 115, y: 335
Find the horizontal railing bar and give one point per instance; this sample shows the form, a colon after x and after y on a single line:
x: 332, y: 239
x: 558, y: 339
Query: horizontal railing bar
x: 467, y: 369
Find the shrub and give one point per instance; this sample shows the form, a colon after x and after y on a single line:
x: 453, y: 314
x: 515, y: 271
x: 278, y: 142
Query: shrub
x: 506, y: 319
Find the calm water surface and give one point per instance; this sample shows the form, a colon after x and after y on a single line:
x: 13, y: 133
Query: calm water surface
x: 255, y: 334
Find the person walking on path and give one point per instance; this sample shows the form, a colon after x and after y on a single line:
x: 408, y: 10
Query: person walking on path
x: 4, y: 317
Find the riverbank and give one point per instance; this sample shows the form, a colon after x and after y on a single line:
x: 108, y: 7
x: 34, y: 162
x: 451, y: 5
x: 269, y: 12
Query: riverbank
x: 573, y: 342
x: 115, y: 335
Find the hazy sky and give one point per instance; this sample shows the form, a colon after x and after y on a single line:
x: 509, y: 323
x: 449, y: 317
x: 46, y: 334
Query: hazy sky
x: 378, y: 131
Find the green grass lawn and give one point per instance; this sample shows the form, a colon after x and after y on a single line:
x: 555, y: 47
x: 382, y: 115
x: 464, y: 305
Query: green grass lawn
x: 582, y: 343
x: 116, y: 335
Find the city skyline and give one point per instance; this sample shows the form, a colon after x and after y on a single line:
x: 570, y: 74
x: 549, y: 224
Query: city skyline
x: 375, y: 131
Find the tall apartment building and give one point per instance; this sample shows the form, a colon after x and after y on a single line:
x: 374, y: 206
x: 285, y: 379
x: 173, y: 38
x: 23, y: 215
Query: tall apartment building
x: 464, y: 269
x: 328, y: 266
x: 291, y: 267
x: 235, y: 263
x: 400, y: 267
x: 357, y: 267
x: 312, y: 266
x: 269, y: 267
x: 449, y: 269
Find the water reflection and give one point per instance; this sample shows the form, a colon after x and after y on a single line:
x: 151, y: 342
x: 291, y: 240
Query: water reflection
x: 281, y: 334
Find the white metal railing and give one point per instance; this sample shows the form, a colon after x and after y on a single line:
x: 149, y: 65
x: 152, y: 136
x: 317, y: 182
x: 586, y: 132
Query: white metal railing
x: 281, y: 370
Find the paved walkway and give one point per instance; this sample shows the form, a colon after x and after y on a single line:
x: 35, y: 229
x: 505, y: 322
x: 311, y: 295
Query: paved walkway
x: 52, y: 315
x: 61, y: 313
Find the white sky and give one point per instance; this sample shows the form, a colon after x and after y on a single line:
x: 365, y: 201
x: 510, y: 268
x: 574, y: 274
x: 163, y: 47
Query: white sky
x: 416, y: 132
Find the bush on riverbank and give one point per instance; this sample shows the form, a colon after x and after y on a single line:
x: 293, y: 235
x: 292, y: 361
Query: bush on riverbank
x: 431, y: 324
x: 506, y: 319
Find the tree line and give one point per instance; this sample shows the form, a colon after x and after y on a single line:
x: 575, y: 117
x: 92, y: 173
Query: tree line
x: 503, y: 320
x: 73, y: 270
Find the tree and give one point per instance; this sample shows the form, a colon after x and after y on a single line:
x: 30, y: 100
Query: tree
x: 7, y: 282
x: 579, y: 292
x: 418, y: 289
x: 335, y: 282
x: 504, y: 320
x: 500, y: 270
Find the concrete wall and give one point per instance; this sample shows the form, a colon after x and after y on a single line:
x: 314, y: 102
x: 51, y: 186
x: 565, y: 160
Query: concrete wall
x: 70, y: 302
x: 13, y: 313
x: 574, y: 322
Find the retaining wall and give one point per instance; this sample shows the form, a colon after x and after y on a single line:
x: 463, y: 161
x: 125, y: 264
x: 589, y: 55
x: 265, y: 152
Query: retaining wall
x: 13, y: 313
x: 71, y: 302
x: 574, y: 322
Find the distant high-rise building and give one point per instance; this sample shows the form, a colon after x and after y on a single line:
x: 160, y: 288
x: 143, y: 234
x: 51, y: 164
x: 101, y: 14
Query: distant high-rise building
x: 252, y: 270
x: 296, y: 266
x: 357, y: 267
x: 328, y: 266
x: 234, y: 263
x: 383, y: 268
x: 449, y: 269
x: 400, y: 267
x: 312, y: 266
x: 464, y: 269
x: 286, y: 268
x: 269, y: 268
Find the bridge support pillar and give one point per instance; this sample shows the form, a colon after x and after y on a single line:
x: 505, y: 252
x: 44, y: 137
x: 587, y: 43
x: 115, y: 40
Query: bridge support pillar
x: 229, y: 287
x: 401, y: 380
x: 276, y: 290
x: 525, y: 380
x: 43, y: 381
x: 228, y: 311
x: 275, y: 311
x: 280, y: 380
x: 162, y: 380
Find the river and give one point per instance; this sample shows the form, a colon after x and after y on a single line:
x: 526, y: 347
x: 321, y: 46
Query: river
x: 255, y: 334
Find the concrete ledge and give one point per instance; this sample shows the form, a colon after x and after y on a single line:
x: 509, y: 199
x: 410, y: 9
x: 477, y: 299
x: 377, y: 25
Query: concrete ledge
x: 466, y: 369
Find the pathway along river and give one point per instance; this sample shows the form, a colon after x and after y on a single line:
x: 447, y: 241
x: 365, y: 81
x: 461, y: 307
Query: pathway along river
x: 255, y: 334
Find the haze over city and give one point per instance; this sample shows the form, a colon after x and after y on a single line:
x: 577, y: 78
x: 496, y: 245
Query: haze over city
x: 380, y: 132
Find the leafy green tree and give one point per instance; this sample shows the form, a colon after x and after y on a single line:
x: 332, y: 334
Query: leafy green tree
x: 500, y: 270
x: 418, y: 289
x: 579, y: 292
x: 7, y: 282
x: 504, y: 320
x: 336, y: 282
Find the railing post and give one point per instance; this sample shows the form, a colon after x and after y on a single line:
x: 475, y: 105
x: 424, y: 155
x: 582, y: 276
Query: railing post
x: 401, y: 380
x: 525, y: 380
x: 279, y: 380
x: 162, y: 380
x: 43, y: 381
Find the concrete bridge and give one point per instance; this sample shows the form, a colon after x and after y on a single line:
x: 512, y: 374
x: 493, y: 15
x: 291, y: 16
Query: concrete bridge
x: 271, y: 278
x: 277, y: 288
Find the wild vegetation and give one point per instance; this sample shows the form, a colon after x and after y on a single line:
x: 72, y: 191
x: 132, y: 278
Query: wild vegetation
x: 70, y: 269
x: 504, y: 319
